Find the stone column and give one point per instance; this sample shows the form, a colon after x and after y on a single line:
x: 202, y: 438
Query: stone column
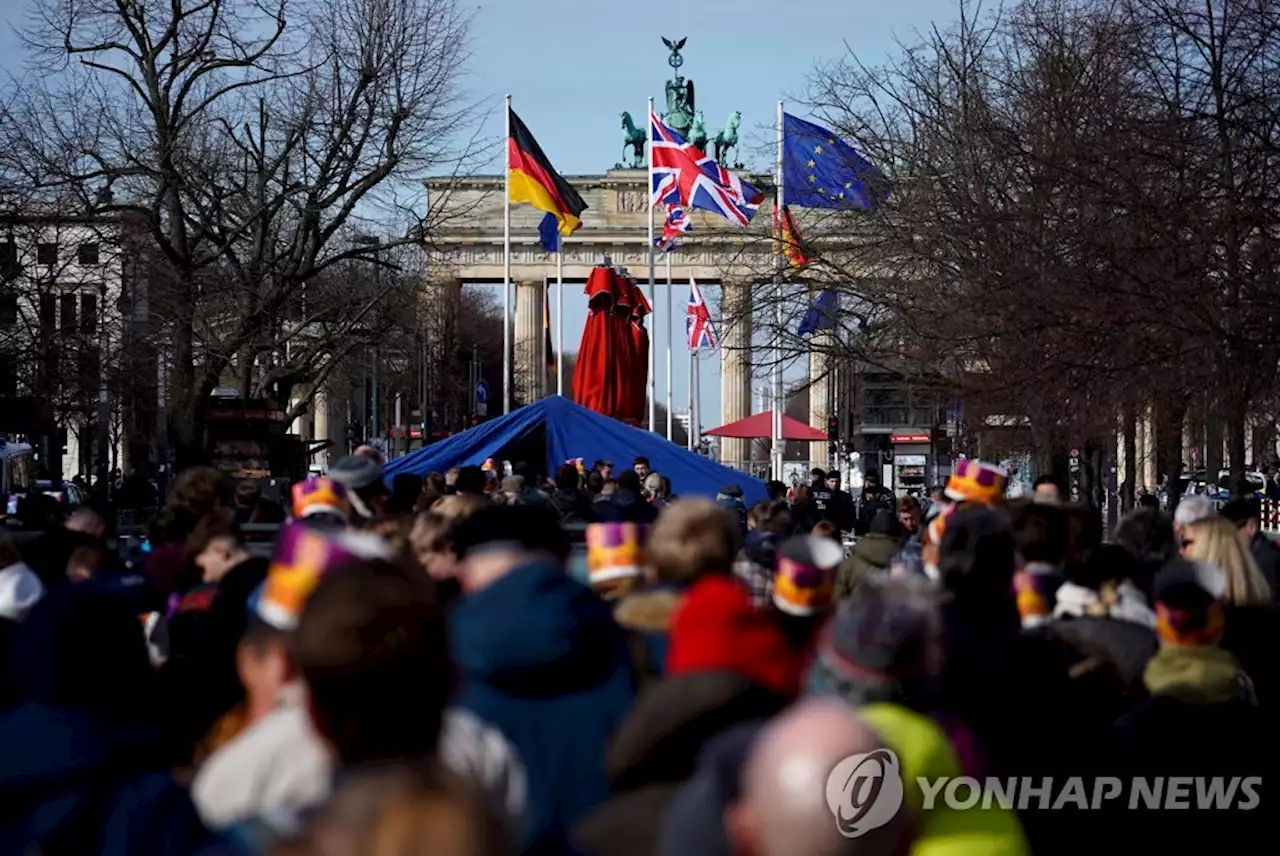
x: 529, y: 363
x: 820, y: 388
x: 735, y: 367
x: 320, y: 427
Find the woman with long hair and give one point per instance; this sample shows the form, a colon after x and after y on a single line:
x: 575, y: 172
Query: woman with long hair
x: 1214, y: 540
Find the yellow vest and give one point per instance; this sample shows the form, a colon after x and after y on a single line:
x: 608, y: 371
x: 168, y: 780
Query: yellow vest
x: 924, y: 751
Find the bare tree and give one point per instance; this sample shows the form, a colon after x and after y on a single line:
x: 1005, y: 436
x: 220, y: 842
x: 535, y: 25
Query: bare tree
x: 259, y: 143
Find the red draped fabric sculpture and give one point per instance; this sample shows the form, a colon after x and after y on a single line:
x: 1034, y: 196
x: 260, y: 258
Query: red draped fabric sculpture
x: 612, y: 371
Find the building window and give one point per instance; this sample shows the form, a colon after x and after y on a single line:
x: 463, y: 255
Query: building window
x: 8, y: 253
x: 48, y: 313
x: 8, y: 309
x: 47, y: 253
x: 88, y: 314
x: 87, y: 254
x: 68, y: 312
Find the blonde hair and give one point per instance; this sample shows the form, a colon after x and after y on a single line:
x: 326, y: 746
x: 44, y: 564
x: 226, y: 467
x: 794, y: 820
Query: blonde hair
x: 1214, y: 540
x: 459, y: 506
x: 693, y: 537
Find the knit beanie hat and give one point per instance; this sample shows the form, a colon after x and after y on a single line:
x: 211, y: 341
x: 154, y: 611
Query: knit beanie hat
x: 977, y: 481
x: 804, y: 580
x: 616, y: 551
x: 1189, y: 610
x: 303, y: 556
x: 880, y: 644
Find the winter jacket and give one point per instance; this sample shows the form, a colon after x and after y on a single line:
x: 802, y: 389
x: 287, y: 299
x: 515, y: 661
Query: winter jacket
x: 542, y: 659
x: 714, y: 787
x: 1253, y: 638
x: 655, y: 750
x: 1119, y: 621
x: 1267, y: 554
x: 72, y: 782
x: 279, y: 766
x: 1200, y: 722
x: 716, y: 627
x: 625, y: 507
x: 574, y: 506
x: 871, y: 553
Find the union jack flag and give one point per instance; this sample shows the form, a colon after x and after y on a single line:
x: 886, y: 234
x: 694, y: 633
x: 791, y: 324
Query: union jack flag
x: 697, y: 322
x: 685, y: 176
x: 677, y: 221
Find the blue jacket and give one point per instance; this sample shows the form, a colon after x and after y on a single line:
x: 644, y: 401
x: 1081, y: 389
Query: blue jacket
x: 542, y: 659
x: 72, y: 782
x: 626, y: 507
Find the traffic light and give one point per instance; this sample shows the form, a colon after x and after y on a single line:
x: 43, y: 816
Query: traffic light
x: 833, y: 428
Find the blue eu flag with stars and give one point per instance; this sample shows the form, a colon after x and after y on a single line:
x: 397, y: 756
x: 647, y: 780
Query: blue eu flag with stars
x: 819, y: 170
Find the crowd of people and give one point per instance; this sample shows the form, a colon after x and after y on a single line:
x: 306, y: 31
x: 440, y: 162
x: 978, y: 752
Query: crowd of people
x: 414, y: 670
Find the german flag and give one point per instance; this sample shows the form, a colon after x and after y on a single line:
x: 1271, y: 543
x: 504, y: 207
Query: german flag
x: 531, y: 179
x: 791, y: 244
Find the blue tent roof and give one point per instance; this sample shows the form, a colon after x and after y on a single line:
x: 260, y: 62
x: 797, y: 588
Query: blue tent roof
x: 573, y: 431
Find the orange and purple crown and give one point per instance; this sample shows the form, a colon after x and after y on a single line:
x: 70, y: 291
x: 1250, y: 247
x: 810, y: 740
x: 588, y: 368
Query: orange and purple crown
x: 804, y: 579
x: 303, y: 557
x: 616, y: 551
x: 977, y: 481
x: 320, y: 495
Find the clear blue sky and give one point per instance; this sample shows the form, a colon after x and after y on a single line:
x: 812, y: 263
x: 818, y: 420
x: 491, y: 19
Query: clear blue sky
x: 571, y: 66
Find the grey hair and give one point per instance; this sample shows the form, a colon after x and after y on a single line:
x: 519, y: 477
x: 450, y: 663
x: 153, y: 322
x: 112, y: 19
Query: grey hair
x: 1193, y: 509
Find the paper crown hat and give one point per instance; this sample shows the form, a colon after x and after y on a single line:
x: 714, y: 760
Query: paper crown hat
x: 303, y: 557
x: 616, y: 551
x: 320, y: 495
x: 977, y: 481
x: 804, y: 581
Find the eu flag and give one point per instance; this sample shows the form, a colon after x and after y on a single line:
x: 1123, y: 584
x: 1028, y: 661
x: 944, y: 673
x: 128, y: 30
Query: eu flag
x: 821, y: 314
x: 819, y: 170
x: 548, y: 233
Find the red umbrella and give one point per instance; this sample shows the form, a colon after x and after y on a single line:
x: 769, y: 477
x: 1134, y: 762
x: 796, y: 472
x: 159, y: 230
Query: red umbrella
x: 760, y: 426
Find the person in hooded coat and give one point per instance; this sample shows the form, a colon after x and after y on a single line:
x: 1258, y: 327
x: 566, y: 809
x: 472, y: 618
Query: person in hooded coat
x: 83, y: 771
x: 1100, y: 604
x: 1202, y: 718
x: 871, y: 553
x: 542, y: 659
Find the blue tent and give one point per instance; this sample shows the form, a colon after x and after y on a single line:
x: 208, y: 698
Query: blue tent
x: 573, y: 431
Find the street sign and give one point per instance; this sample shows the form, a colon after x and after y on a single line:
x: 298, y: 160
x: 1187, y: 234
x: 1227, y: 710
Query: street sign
x: 482, y: 398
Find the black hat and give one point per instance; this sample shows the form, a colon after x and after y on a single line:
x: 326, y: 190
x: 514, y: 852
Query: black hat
x: 731, y: 490
x: 1241, y: 510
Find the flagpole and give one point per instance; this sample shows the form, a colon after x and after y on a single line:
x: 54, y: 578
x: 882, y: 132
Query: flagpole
x: 693, y: 367
x: 506, y: 264
x: 559, y: 315
x: 648, y: 122
x: 696, y: 419
x: 670, y: 298
x: 778, y: 404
